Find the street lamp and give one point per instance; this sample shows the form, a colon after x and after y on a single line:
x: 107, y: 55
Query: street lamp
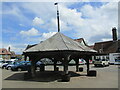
x: 58, y: 17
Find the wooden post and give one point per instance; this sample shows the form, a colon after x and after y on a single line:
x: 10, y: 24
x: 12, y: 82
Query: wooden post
x: 33, y: 72
x: 25, y: 57
x: 55, y: 62
x: 67, y: 57
x: 77, y: 64
x: 87, y: 60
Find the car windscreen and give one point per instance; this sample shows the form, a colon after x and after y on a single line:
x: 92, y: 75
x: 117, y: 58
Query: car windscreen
x: 8, y: 62
x: 14, y: 63
x: 2, y: 61
x: 98, y: 60
x: 24, y: 63
x: 103, y: 60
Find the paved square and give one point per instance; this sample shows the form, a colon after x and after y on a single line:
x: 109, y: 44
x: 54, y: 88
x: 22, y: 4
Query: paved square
x: 107, y: 77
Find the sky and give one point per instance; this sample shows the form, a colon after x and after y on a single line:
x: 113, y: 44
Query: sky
x: 25, y: 23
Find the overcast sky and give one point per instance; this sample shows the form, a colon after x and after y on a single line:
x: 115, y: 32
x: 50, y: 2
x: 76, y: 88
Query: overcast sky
x: 26, y: 23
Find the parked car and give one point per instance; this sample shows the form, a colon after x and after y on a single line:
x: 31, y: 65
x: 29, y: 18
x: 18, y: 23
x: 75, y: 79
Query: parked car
x: 8, y: 67
x: 25, y: 65
x: 90, y: 61
x: 82, y: 61
x: 21, y: 66
x: 6, y: 63
x: 2, y: 62
x: 38, y: 64
x: 101, y: 62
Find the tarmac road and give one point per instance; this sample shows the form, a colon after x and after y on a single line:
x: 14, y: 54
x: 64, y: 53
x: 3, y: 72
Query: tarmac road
x: 107, y: 77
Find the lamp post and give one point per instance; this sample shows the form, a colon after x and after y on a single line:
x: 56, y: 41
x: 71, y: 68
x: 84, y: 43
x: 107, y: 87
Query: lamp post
x: 58, y: 17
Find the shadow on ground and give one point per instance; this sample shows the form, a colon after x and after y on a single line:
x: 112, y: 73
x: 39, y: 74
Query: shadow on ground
x: 46, y: 76
x: 97, y: 67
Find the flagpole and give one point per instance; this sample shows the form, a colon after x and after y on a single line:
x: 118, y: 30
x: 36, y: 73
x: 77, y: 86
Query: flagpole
x: 58, y: 17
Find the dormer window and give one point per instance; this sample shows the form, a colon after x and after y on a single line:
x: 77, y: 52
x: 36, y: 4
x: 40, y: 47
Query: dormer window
x: 3, y: 51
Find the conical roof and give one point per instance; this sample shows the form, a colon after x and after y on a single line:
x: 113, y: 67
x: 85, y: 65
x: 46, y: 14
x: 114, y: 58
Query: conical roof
x: 59, y: 42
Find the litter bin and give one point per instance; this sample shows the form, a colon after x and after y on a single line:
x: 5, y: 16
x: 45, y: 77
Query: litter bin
x: 80, y: 69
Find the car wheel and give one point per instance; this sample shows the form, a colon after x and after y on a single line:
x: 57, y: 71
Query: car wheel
x: 3, y: 67
x: 19, y: 69
x: 103, y: 64
x: 9, y: 68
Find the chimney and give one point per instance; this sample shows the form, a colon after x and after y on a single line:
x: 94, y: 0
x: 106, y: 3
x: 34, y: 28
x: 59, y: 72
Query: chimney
x: 114, y: 33
x: 9, y: 49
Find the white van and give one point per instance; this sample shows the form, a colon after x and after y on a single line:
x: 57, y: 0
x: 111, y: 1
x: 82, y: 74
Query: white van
x: 101, y: 62
x: 114, y: 58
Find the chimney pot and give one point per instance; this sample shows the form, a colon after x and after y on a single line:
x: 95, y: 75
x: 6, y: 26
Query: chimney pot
x: 114, y: 34
x: 9, y: 49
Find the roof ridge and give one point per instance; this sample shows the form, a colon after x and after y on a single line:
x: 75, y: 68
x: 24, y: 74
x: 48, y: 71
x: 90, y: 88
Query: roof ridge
x: 103, y: 42
x: 63, y: 41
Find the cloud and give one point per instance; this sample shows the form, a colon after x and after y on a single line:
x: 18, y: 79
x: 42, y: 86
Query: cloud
x: 14, y: 9
x: 106, y: 39
x: 87, y: 21
x: 98, y: 21
x: 37, y: 21
x: 43, y: 37
x: 47, y: 35
x: 31, y: 32
x: 91, y: 23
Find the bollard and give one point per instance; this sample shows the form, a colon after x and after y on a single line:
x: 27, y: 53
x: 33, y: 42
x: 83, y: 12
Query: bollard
x: 66, y: 78
x: 92, y: 73
x: 81, y: 69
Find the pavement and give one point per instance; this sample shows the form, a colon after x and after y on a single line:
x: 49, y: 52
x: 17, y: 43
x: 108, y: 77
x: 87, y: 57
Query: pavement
x: 107, y: 77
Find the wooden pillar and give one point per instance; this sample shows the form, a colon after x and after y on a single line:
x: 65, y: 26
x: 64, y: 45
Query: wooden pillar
x: 66, y: 59
x: 33, y: 72
x: 25, y: 57
x: 87, y: 60
x: 55, y: 62
x: 77, y: 64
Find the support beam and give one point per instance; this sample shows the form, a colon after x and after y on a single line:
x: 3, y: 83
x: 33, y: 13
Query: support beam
x: 33, y: 72
x: 77, y: 64
x: 66, y: 68
x: 55, y: 62
x: 87, y: 60
x: 25, y: 57
x: 66, y: 59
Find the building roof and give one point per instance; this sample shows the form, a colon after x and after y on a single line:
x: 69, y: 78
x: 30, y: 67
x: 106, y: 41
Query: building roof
x: 4, y: 51
x: 29, y: 46
x: 81, y: 40
x: 92, y: 46
x: 107, y: 46
x: 59, y: 42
